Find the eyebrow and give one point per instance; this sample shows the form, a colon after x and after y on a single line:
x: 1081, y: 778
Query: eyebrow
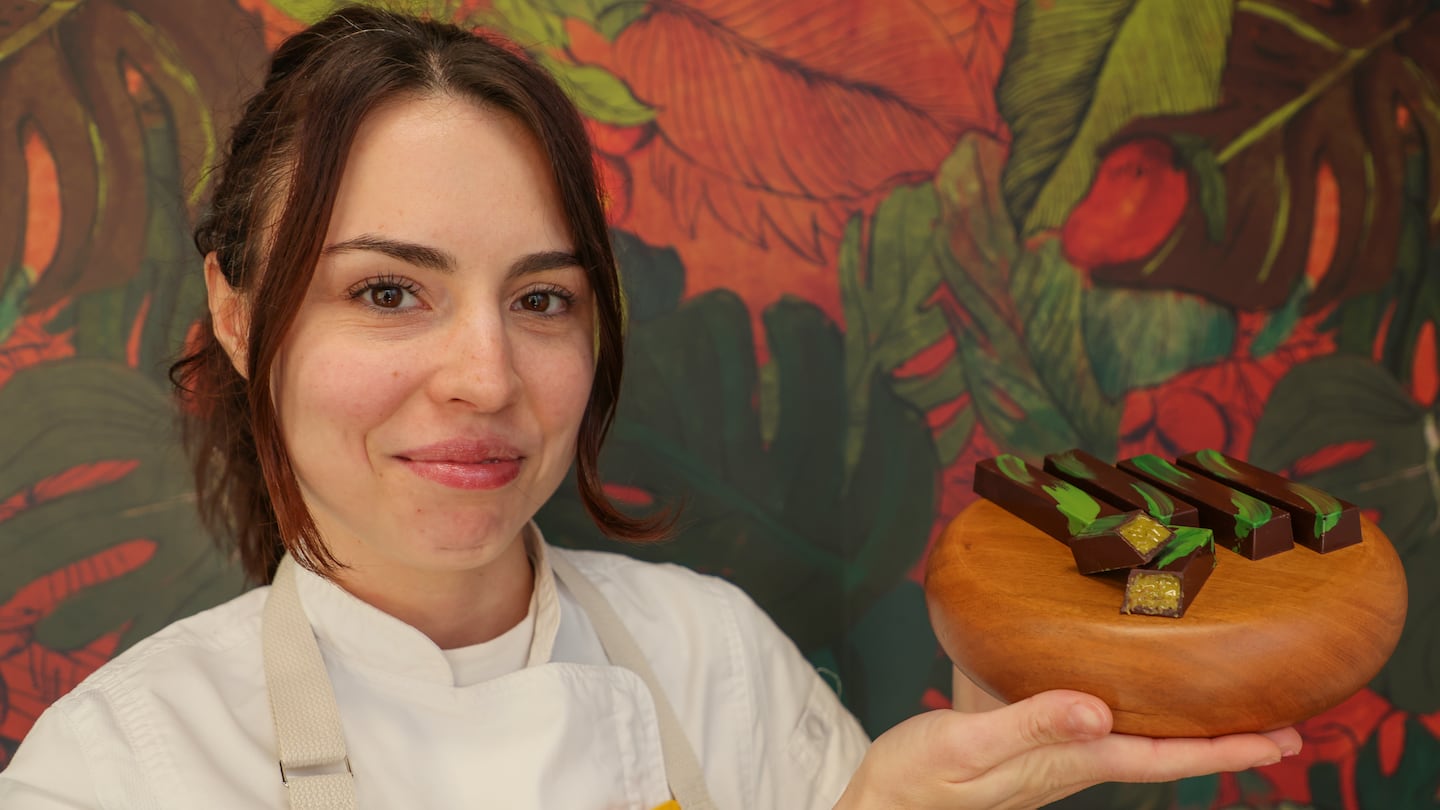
x: 435, y: 259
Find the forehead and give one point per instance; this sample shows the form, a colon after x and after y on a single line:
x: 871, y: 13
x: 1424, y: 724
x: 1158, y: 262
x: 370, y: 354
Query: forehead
x: 451, y: 173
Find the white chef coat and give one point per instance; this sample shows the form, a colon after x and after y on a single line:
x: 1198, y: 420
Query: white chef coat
x: 181, y: 720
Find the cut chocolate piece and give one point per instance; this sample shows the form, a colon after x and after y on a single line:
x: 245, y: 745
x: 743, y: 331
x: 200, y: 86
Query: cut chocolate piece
x: 1241, y: 523
x: 1320, y: 520
x: 1119, y: 541
x: 1168, y: 584
x: 1053, y: 506
x: 1120, y: 489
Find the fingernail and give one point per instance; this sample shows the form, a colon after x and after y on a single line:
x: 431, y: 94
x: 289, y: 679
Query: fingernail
x: 1086, y: 719
x: 1267, y: 761
x: 1288, y: 751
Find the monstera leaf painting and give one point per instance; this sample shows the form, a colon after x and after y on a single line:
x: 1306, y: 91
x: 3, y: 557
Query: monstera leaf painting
x: 98, y: 530
x: 688, y: 429
x: 1351, y: 404
x: 71, y: 75
x: 777, y: 516
x: 1310, y: 90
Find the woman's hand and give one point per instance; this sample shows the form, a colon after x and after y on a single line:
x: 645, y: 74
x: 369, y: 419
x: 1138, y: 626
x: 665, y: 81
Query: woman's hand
x: 1033, y: 752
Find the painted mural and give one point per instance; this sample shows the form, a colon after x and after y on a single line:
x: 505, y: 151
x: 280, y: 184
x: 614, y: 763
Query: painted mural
x: 866, y: 243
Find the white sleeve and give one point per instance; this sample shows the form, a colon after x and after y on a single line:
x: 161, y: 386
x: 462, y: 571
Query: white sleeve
x: 51, y: 770
x: 821, y: 743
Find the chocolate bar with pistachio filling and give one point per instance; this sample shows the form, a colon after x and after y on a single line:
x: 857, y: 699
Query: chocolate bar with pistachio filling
x: 1118, y: 488
x: 1320, y: 520
x: 1101, y: 537
x: 1119, y: 541
x: 1244, y: 524
x: 1055, y: 507
x: 1167, y: 585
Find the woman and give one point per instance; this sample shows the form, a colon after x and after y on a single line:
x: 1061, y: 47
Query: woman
x: 415, y: 326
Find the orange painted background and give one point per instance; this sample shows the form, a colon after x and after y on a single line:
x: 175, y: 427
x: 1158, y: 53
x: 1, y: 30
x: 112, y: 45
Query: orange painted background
x: 866, y: 244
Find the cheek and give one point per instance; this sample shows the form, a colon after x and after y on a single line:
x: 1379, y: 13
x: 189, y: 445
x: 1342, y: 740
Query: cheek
x: 559, y: 385
x: 333, y: 388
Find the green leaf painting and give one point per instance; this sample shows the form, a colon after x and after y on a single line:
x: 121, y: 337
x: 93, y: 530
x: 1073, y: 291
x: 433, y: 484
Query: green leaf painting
x: 1137, y: 338
x: 1412, y: 783
x: 688, y: 430
x: 1350, y: 401
x: 598, y: 93
x: 1393, y: 318
x: 306, y: 11
x: 1049, y: 297
x: 1290, y: 127
x: 70, y: 413
x: 609, y: 17
x: 887, y: 285
x: 1078, y: 72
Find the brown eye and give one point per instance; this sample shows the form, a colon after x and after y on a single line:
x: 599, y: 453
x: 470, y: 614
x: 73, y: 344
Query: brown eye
x: 389, y: 297
x: 536, y: 301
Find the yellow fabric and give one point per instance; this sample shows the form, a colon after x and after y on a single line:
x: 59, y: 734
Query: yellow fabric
x: 670, y: 805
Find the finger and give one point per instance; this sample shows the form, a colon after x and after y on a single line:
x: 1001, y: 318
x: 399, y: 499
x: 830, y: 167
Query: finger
x: 971, y: 744
x: 1124, y: 758
x: 1049, y: 773
x: 1287, y: 738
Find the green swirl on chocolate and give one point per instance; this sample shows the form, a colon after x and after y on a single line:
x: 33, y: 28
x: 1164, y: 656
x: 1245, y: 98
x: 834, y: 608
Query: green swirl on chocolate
x: 1327, y: 508
x: 1215, y: 461
x: 1157, y: 503
x: 1079, y: 509
x: 1158, y: 467
x: 1250, y: 513
x: 1187, y: 539
x: 1070, y: 465
x: 1013, y: 467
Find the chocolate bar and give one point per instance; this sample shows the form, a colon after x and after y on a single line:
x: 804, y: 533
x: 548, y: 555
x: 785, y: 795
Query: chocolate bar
x: 1119, y: 541
x: 1245, y: 525
x: 1120, y: 489
x: 1168, y: 584
x: 1320, y: 520
x: 1055, y: 507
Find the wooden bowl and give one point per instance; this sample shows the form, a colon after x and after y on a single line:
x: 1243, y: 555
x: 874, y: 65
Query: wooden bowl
x: 1265, y: 644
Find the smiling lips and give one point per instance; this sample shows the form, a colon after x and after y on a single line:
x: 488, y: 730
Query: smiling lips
x: 465, y: 463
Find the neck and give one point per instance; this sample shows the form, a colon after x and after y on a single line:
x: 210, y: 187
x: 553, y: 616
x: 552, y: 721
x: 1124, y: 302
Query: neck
x: 452, y: 608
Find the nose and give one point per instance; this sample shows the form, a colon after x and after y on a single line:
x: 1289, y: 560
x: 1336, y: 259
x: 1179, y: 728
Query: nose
x: 475, y: 364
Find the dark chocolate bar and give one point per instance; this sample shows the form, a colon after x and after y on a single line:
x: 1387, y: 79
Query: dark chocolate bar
x: 1119, y: 541
x: 1118, y: 488
x: 1320, y: 520
x: 1168, y: 584
x: 1241, y: 523
x: 1053, y: 506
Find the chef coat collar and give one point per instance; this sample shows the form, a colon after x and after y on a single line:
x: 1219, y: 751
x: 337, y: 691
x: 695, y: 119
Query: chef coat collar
x: 354, y: 630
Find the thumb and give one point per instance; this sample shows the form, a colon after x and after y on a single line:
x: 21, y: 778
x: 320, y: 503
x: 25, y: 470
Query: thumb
x: 995, y: 737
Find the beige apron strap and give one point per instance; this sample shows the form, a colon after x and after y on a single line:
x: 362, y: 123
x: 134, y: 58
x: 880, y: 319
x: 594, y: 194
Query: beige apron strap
x: 313, y: 763
x: 682, y: 769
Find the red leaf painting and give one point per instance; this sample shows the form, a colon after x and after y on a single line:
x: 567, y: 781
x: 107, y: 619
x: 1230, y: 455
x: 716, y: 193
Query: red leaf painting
x: 35, y: 676
x: 1216, y: 405
x: 777, y: 120
x: 31, y: 343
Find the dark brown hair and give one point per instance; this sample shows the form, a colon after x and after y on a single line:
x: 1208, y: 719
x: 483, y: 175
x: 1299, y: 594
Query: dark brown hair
x: 267, y: 223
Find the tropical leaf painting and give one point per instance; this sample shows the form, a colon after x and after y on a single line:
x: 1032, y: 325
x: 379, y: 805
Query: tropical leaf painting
x: 1316, y: 96
x: 865, y: 244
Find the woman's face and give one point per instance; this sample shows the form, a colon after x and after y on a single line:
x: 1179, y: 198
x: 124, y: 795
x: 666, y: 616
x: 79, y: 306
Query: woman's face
x: 434, y: 380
